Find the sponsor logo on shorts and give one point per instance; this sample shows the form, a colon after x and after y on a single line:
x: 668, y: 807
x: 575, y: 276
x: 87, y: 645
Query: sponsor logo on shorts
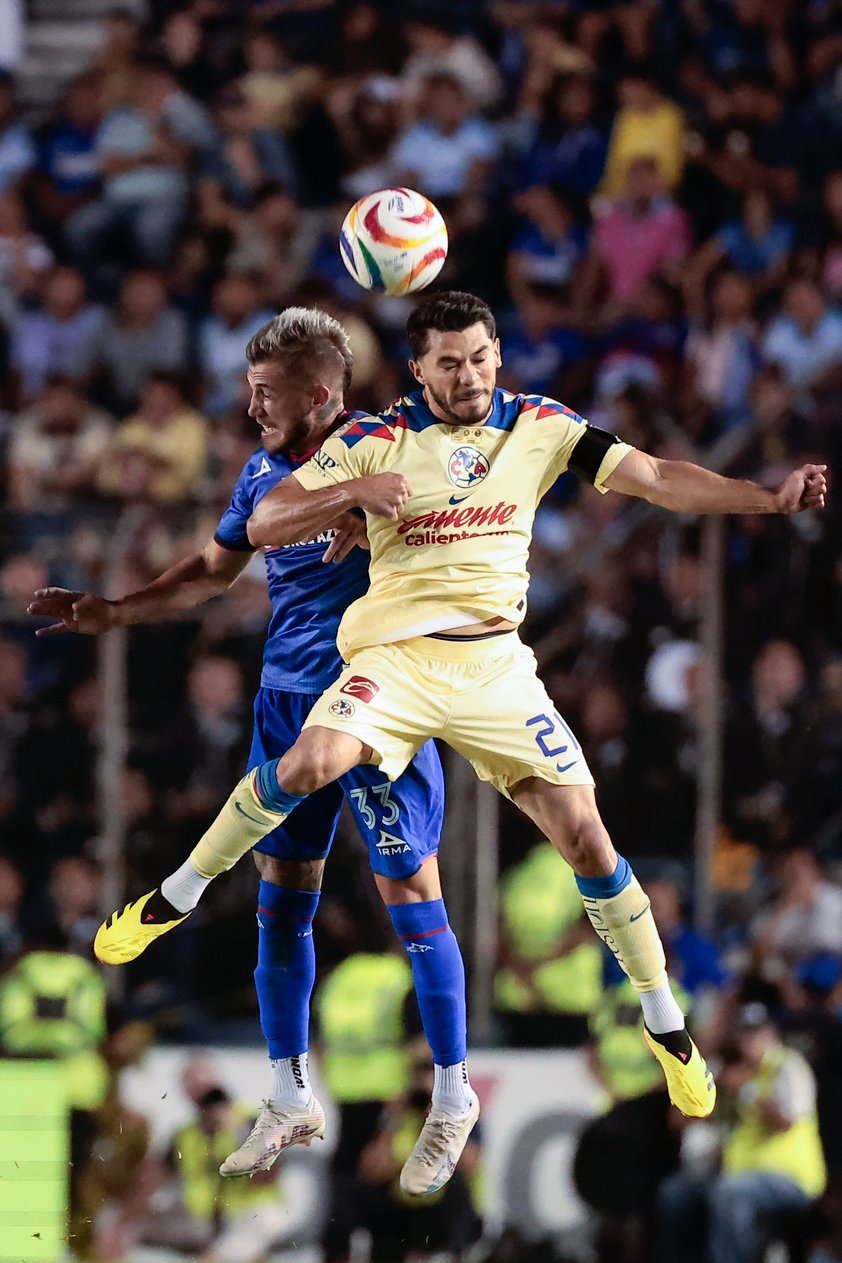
x: 388, y: 844
x: 341, y: 709
x: 451, y: 525
x: 466, y: 468
x: 417, y: 947
x: 359, y: 686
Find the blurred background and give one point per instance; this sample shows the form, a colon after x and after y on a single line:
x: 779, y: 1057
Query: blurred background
x: 649, y: 193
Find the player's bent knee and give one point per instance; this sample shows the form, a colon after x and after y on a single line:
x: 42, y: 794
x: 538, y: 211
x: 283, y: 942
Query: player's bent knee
x: 291, y: 874
x: 314, y: 761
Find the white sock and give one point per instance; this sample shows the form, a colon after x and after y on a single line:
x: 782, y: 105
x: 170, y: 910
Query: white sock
x: 452, y: 1088
x: 291, y: 1080
x: 185, y: 887
x: 661, y: 1011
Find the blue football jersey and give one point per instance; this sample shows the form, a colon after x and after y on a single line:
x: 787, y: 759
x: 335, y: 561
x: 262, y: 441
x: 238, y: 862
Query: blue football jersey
x: 308, y: 597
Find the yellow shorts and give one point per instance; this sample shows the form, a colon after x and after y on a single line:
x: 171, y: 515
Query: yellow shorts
x: 483, y: 697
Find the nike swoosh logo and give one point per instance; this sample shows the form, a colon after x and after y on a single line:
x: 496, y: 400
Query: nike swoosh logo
x: 459, y: 499
x: 565, y: 768
x: 638, y: 915
x: 242, y: 812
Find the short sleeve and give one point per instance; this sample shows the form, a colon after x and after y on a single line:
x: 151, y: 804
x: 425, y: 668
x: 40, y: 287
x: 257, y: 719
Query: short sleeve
x: 338, y: 459
x: 232, y: 531
x: 572, y: 443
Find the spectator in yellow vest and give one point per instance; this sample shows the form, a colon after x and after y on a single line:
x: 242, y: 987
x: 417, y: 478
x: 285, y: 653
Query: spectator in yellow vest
x: 772, y: 1157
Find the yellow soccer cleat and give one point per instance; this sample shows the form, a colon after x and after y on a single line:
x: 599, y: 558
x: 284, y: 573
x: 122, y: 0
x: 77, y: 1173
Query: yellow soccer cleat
x: 128, y: 933
x: 689, y: 1082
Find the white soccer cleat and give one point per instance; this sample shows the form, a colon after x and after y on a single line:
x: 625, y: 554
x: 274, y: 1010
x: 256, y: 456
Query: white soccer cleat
x: 277, y: 1128
x: 437, y: 1150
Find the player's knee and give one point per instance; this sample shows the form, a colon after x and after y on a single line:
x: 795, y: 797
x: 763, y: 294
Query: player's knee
x: 292, y: 874
x: 308, y: 766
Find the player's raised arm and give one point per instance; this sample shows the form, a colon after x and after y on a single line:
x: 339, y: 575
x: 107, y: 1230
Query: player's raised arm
x: 189, y: 582
x: 686, y: 488
x: 291, y: 512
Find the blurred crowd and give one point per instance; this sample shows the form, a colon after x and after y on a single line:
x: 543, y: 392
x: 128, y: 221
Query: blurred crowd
x: 650, y: 196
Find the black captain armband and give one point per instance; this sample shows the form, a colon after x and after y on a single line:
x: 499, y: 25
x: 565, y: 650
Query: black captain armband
x: 589, y: 452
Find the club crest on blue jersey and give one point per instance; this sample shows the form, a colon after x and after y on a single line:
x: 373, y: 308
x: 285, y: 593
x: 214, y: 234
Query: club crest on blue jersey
x: 341, y: 709
x: 466, y: 468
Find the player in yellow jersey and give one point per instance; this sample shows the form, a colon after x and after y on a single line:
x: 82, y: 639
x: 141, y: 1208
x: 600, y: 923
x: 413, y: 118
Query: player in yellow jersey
x: 432, y: 648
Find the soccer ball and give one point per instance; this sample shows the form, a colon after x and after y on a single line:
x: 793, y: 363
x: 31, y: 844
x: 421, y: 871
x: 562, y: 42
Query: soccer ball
x: 394, y: 240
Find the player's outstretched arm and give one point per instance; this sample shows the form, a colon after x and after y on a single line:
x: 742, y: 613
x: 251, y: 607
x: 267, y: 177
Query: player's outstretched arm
x: 186, y: 584
x: 290, y: 512
x: 686, y: 488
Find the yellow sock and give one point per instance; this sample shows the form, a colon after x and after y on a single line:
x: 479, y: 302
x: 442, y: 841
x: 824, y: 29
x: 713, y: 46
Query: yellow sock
x: 625, y: 924
x: 241, y: 823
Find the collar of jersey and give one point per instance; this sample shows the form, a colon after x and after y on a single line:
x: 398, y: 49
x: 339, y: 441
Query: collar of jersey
x: 504, y: 412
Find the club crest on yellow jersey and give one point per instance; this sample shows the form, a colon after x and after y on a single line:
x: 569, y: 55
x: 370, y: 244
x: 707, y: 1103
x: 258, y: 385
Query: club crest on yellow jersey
x: 467, y: 467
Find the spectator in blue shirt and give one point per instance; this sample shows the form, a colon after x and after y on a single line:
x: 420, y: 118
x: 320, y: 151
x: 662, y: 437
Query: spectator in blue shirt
x: 449, y: 151
x: 61, y: 337
x: 805, y: 340
x: 223, y: 337
x: 549, y: 244
x: 538, y: 351
x: 568, y: 146
x: 17, y: 152
x: 68, y: 166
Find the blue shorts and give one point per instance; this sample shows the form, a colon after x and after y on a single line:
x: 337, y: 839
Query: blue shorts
x: 400, y: 821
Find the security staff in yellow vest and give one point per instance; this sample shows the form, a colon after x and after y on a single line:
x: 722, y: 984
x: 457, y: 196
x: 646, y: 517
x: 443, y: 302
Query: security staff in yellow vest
x: 550, y: 975
x: 215, y: 1220
x: 52, y: 1004
x: 367, y: 1020
x: 772, y: 1157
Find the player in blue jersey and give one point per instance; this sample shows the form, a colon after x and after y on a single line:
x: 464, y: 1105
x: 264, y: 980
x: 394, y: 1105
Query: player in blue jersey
x: 299, y: 367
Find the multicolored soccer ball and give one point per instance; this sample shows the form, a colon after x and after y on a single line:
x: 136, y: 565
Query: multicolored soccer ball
x: 394, y: 240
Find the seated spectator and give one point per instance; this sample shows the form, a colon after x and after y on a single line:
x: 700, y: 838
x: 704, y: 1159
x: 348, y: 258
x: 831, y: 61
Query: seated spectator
x: 641, y: 235
x: 278, y: 90
x: 693, y: 959
x: 805, y: 917
x: 812, y: 794
x: 763, y: 737
x: 223, y: 335
x: 772, y: 1156
x: 437, y: 47
x: 549, y: 244
x: 722, y: 355
x: 757, y: 245
x: 74, y: 902
x: 160, y: 454
x: 647, y: 125
x: 146, y: 335
x: 144, y: 148
x: 274, y: 241
x: 24, y: 256
x: 372, y: 126
x: 244, y: 156
x: 568, y: 143
x: 56, y: 448
x: 62, y: 337
x: 805, y: 340
x: 450, y: 150
x: 368, y: 42
x: 68, y: 173
x: 17, y: 152
x: 188, y: 51
x: 196, y: 1210
x: 539, y: 352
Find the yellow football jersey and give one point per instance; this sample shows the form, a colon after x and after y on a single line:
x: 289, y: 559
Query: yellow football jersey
x: 458, y: 554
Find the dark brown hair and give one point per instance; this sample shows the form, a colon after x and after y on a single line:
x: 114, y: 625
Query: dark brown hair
x: 448, y: 312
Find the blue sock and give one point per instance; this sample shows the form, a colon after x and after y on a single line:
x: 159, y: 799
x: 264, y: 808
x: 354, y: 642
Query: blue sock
x: 286, y: 967
x: 269, y: 791
x: 438, y: 974
x: 606, y: 887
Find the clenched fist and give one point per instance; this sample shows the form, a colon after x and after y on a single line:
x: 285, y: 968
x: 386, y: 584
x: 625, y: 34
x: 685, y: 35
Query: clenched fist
x: 382, y: 494
x: 76, y: 612
x: 805, y: 488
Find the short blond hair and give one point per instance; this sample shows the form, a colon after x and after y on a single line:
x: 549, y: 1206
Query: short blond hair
x: 306, y: 339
